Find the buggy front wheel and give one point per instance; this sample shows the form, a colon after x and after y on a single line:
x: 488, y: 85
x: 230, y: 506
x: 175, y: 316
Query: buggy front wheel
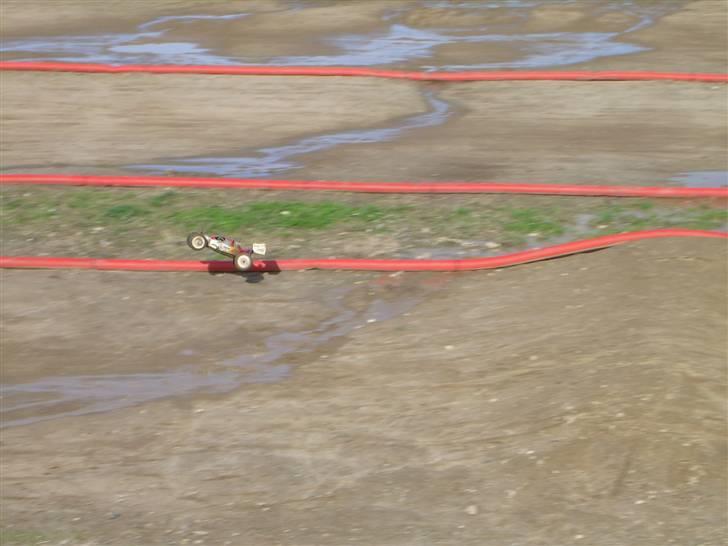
x: 196, y: 241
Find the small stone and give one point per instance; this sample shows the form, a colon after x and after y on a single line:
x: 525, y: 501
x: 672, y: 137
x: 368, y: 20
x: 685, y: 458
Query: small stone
x: 471, y: 510
x: 639, y: 501
x: 449, y: 347
x: 371, y: 320
x: 492, y: 245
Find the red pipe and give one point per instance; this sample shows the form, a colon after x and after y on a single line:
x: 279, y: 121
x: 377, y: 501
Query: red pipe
x: 52, y: 66
x: 468, y: 264
x: 364, y: 187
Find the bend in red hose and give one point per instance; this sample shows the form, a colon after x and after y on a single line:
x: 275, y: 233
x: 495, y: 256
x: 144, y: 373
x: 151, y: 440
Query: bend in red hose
x: 468, y: 264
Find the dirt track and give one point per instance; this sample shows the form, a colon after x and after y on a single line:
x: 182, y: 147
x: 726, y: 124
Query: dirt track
x: 574, y: 401
x: 556, y: 406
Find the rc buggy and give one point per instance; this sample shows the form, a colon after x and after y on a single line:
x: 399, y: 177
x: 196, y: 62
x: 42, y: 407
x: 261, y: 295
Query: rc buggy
x: 242, y: 256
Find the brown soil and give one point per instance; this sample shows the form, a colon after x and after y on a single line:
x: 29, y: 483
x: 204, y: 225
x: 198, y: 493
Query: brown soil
x: 558, y: 403
x: 573, y: 401
x: 139, y: 118
x: 625, y: 133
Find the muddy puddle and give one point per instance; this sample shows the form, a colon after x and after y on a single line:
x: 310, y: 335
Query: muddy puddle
x: 54, y: 397
x: 702, y: 179
x: 411, y: 34
x: 266, y: 162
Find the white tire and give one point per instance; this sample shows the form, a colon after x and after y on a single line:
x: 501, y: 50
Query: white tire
x: 196, y: 241
x: 243, y: 262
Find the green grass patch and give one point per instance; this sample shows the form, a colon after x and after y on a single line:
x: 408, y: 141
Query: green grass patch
x: 120, y: 221
x: 276, y: 214
x: 17, y: 537
x: 164, y: 199
x: 708, y: 219
x: 27, y: 537
x: 124, y: 212
x: 645, y: 215
x: 532, y: 220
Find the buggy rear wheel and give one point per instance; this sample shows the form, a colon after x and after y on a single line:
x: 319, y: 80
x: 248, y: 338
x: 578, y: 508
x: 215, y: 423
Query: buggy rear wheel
x: 243, y: 262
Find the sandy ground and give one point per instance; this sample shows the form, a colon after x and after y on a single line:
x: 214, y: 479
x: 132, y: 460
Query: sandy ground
x: 547, y: 131
x: 549, y: 408
x: 139, y: 119
x: 574, y: 401
x: 623, y: 133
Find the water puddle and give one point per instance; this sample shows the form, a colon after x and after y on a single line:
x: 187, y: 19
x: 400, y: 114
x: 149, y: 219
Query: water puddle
x: 123, y: 48
x: 268, y: 161
x: 401, y: 44
x: 397, y: 43
x: 702, y: 179
x: 66, y: 396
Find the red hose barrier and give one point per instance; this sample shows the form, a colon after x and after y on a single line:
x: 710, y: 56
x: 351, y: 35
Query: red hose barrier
x: 542, y: 75
x: 468, y: 264
x: 364, y: 187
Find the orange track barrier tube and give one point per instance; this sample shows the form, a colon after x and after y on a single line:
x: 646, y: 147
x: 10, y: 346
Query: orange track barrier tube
x: 364, y: 187
x: 468, y: 76
x: 362, y: 264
